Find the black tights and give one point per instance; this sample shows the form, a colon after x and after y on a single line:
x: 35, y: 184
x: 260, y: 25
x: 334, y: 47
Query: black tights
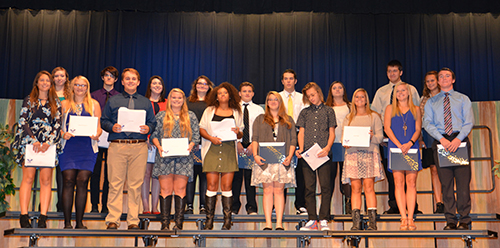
x: 81, y: 179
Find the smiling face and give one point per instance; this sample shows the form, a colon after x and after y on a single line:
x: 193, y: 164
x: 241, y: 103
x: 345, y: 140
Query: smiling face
x: 80, y: 87
x: 109, y: 79
x: 202, y: 86
x: 431, y: 82
x: 176, y: 100
x: 360, y: 99
x: 337, y: 90
x: 43, y: 84
x: 289, y: 81
x: 60, y: 78
x: 402, y: 93
x: 313, y: 96
x: 222, y: 95
x: 156, y: 86
x: 446, y: 80
x: 246, y: 93
x: 130, y: 82
x: 394, y: 74
x: 273, y: 102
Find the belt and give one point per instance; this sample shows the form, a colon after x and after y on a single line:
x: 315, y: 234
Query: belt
x: 128, y: 141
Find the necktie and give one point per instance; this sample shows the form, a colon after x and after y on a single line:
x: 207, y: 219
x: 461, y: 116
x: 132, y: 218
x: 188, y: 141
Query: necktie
x: 131, y: 102
x: 448, y: 127
x: 290, y: 106
x: 392, y: 94
x: 107, y: 96
x: 246, y: 122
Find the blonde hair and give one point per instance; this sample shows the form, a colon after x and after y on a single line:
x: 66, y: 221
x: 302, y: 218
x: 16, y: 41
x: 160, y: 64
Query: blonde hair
x: 87, y: 100
x: 282, y: 115
x: 354, y: 108
x: 312, y: 85
x: 169, y: 120
x: 395, y: 101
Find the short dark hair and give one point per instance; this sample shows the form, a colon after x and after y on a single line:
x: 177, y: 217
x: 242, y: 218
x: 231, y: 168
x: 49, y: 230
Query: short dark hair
x: 247, y: 84
x: 448, y: 69
x: 289, y: 71
x: 395, y: 63
x: 111, y: 70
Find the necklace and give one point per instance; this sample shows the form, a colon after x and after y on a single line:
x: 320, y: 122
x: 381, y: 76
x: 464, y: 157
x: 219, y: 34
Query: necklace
x: 405, y: 118
x: 79, y: 109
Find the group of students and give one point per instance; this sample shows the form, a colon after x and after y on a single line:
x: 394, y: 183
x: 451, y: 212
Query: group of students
x: 298, y: 120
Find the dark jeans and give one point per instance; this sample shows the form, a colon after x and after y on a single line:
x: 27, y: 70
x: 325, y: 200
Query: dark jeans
x: 239, y: 176
x: 202, y: 187
x: 95, y: 179
x: 461, y: 175
x: 324, y: 174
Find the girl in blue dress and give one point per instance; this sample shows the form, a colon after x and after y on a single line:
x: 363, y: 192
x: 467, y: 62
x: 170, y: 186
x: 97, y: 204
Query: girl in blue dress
x: 79, y: 153
x: 402, y: 124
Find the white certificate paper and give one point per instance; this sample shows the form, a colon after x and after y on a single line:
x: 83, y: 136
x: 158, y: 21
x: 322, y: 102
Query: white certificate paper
x: 103, y: 140
x: 41, y: 159
x: 151, y: 154
x: 222, y: 129
x: 82, y: 125
x: 356, y: 136
x: 311, y: 157
x: 175, y: 147
x: 131, y: 120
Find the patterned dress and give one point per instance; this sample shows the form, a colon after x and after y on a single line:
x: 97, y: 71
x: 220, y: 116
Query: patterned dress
x: 175, y: 165
x: 36, y: 121
x: 364, y: 162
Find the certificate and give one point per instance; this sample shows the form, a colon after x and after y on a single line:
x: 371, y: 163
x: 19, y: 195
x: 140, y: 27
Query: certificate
x: 103, y: 140
x: 272, y: 152
x: 398, y: 161
x: 41, y: 159
x: 131, y: 120
x: 311, y: 157
x: 83, y: 125
x: 457, y: 158
x: 152, y: 154
x: 356, y: 136
x: 222, y: 129
x: 175, y: 147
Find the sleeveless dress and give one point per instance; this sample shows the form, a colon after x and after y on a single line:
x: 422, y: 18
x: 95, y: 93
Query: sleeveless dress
x: 397, y: 128
x: 78, y: 152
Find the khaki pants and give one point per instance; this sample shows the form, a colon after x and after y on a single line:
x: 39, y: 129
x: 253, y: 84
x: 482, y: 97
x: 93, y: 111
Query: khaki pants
x: 125, y: 162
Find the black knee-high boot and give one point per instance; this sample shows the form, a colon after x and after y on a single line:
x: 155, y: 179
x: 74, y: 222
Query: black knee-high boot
x: 227, y: 204
x: 210, y: 201
x: 165, y: 205
x: 180, y: 205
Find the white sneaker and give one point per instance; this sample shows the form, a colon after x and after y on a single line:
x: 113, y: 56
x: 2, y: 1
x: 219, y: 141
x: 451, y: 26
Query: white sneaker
x: 311, y: 225
x: 302, y: 211
x: 323, y: 225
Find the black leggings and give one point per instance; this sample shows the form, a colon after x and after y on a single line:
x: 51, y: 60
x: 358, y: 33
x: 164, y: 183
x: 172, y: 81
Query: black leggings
x: 202, y: 187
x: 81, y: 179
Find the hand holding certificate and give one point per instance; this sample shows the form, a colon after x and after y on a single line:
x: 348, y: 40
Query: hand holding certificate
x: 457, y: 158
x: 311, y: 157
x: 400, y: 161
x: 175, y: 147
x: 131, y: 120
x: 83, y: 125
x: 222, y: 129
x: 356, y: 136
x: 103, y: 140
x: 40, y: 159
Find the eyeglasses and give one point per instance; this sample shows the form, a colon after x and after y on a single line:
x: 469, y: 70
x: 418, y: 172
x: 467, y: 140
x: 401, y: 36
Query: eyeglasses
x: 273, y: 100
x: 205, y: 84
x: 109, y: 75
x: 81, y: 85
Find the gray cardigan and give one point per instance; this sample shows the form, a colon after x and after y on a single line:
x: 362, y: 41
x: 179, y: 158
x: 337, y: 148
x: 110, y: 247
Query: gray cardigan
x: 262, y: 132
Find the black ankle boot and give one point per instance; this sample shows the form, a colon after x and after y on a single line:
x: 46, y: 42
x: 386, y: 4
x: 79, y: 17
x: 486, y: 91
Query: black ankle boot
x: 372, y: 218
x: 24, y: 220
x: 165, y: 205
x: 210, y: 201
x: 180, y: 204
x: 227, y: 204
x: 42, y: 221
x: 356, y: 219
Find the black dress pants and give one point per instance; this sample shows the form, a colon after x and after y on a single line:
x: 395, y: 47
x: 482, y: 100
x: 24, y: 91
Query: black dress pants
x: 324, y: 176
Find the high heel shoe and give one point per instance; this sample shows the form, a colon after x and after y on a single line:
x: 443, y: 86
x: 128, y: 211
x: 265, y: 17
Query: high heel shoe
x: 404, y: 224
x: 411, y: 225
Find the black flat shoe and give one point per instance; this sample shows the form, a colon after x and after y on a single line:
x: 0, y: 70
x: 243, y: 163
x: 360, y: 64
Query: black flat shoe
x: 450, y: 226
x: 267, y: 229
x: 280, y: 229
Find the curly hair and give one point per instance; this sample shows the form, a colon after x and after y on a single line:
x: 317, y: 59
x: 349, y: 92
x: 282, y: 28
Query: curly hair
x: 234, y: 97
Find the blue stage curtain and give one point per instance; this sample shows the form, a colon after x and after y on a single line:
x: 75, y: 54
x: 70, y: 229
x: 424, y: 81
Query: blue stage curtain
x: 320, y: 47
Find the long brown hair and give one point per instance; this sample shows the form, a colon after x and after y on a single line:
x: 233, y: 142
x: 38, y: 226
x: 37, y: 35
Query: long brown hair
x: 52, y: 96
x: 169, y: 120
x: 162, y: 93
x: 282, y: 115
x: 234, y: 97
x: 329, y: 100
x: 354, y: 109
x: 87, y: 100
x: 193, y: 96
x: 67, y: 91
x: 427, y: 92
x: 395, y: 107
